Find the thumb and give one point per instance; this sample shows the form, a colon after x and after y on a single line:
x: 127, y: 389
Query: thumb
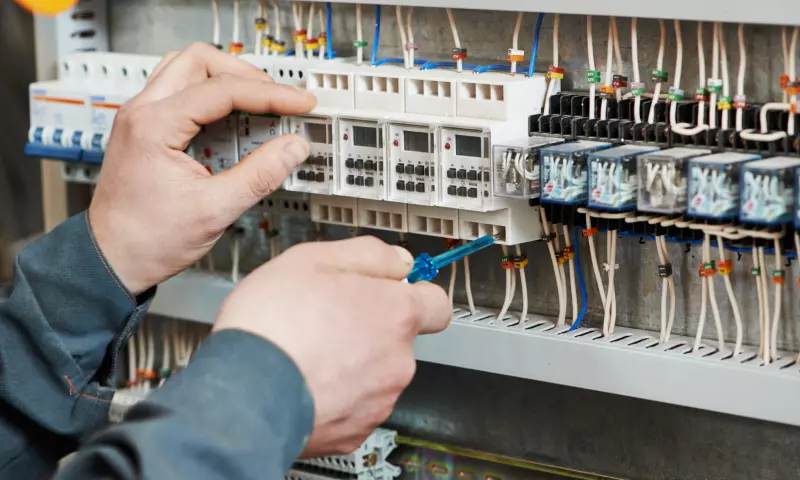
x: 257, y: 175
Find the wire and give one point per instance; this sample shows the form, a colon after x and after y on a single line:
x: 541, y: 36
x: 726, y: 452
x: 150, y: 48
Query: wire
x: 726, y: 88
x: 236, y: 15
x: 595, y: 266
x: 712, y: 104
x: 651, y: 116
x: 452, y: 288
x: 523, y: 283
x: 637, y: 102
x: 568, y: 243
x: 277, y: 14
x: 509, y: 289
x: 562, y: 301
x: 328, y: 29
x: 297, y: 15
x: 165, y: 353
x: 376, y: 36
x: 497, y: 68
x: 740, y: 79
x: 359, y: 35
x: 610, y: 317
x: 559, y: 286
x: 468, y: 284
x: 535, y: 46
x: 609, y: 59
x: 215, y: 22
x: 552, y: 82
x: 132, y: 362
x: 662, y: 257
x: 262, y: 15
x: 581, y: 282
x: 737, y: 316
x: 785, y: 51
x: 142, y: 355
x: 323, y: 32
x: 673, y: 107
x: 713, y: 295
x: 433, y: 65
x: 456, y: 40
x: 685, y: 128
x: 310, y: 28
x: 765, y: 290
x: 235, y: 248
x: 793, y: 73
x: 411, y: 51
x: 671, y: 285
x: 398, y: 10
x: 617, y: 52
x: 590, y: 55
x: 515, y: 42
x: 760, y: 293
x: 778, y: 301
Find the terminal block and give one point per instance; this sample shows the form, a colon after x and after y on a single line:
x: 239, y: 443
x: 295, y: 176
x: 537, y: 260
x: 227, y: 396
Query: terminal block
x: 662, y: 179
x: 714, y: 185
x: 515, y: 167
x: 612, y: 177
x: 768, y: 191
x: 564, y: 171
x: 368, y: 462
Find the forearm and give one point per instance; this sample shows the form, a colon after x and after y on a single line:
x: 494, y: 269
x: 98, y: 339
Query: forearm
x: 240, y: 410
x: 60, y: 331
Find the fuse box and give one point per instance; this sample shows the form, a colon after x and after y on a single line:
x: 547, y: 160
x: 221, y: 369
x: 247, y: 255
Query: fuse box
x: 613, y: 177
x: 768, y: 191
x: 714, y: 185
x: 515, y: 167
x: 663, y: 179
x: 564, y: 171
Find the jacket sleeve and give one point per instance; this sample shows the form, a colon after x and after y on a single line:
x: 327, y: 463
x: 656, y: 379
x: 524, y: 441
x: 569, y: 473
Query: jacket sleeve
x: 60, y: 333
x: 240, y: 410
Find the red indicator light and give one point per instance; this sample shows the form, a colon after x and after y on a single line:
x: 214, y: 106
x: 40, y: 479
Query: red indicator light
x: 207, y: 152
x: 447, y: 146
x: 345, y: 136
x: 396, y: 143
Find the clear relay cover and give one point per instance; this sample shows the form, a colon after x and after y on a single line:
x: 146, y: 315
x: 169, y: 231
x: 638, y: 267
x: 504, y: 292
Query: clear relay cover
x: 714, y: 184
x: 768, y: 191
x: 563, y: 171
x: 663, y: 179
x: 613, y: 177
x: 515, y: 167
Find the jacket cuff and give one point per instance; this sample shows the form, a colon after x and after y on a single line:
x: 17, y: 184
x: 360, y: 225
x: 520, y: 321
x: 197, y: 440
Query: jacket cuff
x: 265, y: 395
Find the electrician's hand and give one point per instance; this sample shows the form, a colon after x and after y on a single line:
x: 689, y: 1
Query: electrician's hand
x: 339, y: 310
x: 156, y: 210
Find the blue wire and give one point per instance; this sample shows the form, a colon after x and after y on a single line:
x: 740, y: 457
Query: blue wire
x: 397, y: 60
x: 498, y: 68
x: 376, y: 37
x: 580, y: 281
x: 535, y: 47
x: 289, y: 53
x: 328, y: 22
x: 432, y: 65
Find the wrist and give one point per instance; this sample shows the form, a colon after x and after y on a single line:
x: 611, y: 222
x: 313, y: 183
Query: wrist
x: 117, y: 254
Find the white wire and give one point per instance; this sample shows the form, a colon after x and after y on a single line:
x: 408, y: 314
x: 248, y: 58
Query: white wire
x: 177, y: 342
x: 562, y: 301
x: 651, y: 116
x: 590, y: 51
x: 235, y: 258
x: 468, y: 285
x: 398, y: 11
x: 523, y: 283
x: 712, y: 104
x: 595, y: 264
x: 236, y: 15
x: 726, y: 88
x: 765, y: 290
x: 609, y: 59
x: 663, y: 259
x: 262, y: 13
x: 132, y: 361
x: 617, y: 52
x: 215, y: 22
x: 703, y: 307
x: 737, y: 315
x: 740, y: 78
x: 322, y: 29
x: 552, y: 82
x: 793, y: 76
x: 713, y: 296
x: 776, y: 319
x: 785, y: 51
x: 559, y: 285
x: 609, y: 318
x: 671, y: 285
x: 297, y: 13
x: 310, y: 28
x: 165, y: 353
x: 685, y: 128
x: 515, y: 41
x: 142, y: 355
x: 673, y: 107
x: 359, y: 35
x: 456, y: 40
x: 573, y: 287
x: 452, y: 288
x: 411, y: 52
x: 510, y: 286
x: 637, y: 101
x: 760, y: 293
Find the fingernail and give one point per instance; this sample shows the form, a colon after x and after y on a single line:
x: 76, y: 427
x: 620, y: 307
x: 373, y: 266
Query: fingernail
x: 404, y: 255
x: 295, y: 153
x: 304, y: 91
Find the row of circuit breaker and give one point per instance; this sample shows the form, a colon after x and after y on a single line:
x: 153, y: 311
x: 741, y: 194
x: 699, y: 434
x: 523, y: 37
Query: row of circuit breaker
x: 716, y: 187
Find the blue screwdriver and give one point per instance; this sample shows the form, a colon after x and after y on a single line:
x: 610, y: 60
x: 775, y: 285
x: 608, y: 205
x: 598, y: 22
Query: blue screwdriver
x: 426, y: 267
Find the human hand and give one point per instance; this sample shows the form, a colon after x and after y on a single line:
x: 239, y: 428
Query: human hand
x: 155, y: 210
x: 339, y: 310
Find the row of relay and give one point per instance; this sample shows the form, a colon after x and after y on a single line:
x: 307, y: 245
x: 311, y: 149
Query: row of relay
x: 726, y: 186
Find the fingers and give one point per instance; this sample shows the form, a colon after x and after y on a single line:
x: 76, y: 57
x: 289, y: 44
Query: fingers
x: 194, y: 65
x: 168, y: 58
x: 432, y: 305
x: 257, y: 175
x: 365, y: 256
x: 217, y: 97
